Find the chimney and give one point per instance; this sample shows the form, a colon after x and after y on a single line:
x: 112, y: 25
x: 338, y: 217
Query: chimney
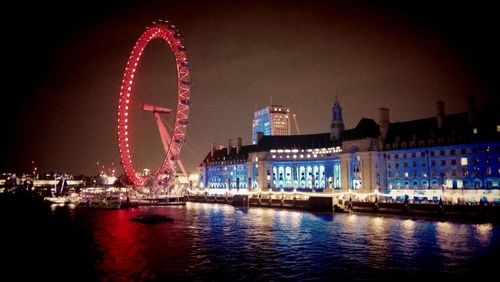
x: 239, y: 144
x: 471, y: 108
x: 384, y: 122
x: 212, y: 150
x: 260, y: 134
x: 440, y: 113
x: 229, y: 145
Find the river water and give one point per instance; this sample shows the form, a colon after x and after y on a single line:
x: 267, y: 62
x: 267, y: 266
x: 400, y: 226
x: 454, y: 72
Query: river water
x: 218, y: 242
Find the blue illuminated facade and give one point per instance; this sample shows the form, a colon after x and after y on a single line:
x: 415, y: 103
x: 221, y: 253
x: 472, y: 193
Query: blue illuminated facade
x: 458, y: 152
x: 306, y: 175
x: 230, y: 176
x: 464, y: 166
x: 261, y: 123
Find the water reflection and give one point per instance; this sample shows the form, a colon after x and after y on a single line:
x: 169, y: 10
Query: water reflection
x: 220, y: 242
x: 124, y: 246
x: 379, y: 242
x: 484, y: 232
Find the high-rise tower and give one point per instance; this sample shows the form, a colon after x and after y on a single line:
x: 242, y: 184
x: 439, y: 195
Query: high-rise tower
x: 271, y: 120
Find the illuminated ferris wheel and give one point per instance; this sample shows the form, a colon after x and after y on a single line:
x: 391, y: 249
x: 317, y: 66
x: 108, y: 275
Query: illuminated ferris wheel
x: 172, y: 141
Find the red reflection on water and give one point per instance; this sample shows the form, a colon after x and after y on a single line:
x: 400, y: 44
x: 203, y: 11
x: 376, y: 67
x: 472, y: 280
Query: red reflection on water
x: 123, y: 246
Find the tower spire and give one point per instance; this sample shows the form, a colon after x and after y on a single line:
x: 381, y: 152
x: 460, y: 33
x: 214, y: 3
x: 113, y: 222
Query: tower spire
x: 337, y: 125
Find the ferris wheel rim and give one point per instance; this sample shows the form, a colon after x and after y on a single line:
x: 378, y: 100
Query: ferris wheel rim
x: 170, y: 34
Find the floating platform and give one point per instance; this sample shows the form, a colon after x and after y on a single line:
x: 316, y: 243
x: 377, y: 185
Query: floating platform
x: 151, y: 218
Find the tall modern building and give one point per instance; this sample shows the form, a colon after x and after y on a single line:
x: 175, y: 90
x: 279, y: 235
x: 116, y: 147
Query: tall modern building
x: 271, y: 120
x: 455, y: 157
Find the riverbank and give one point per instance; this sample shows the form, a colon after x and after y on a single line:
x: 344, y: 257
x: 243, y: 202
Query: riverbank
x: 29, y: 207
x: 475, y: 213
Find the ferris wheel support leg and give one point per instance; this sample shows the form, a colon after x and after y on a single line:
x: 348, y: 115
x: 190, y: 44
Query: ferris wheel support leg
x: 181, y: 165
x: 165, y: 139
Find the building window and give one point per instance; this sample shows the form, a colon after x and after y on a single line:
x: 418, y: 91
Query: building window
x: 474, y: 130
x: 443, y: 162
x: 441, y: 153
x: 453, y: 162
x: 406, y: 174
x: 488, y: 171
x: 463, y: 161
x: 462, y: 151
x: 452, y: 152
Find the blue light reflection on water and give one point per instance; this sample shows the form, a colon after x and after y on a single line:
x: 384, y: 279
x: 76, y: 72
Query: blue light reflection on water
x: 219, y: 242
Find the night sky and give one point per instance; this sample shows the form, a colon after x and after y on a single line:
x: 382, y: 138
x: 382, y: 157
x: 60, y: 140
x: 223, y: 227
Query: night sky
x: 65, y: 63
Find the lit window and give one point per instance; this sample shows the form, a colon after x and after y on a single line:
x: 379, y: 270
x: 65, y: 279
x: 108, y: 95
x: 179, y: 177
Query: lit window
x: 474, y: 130
x: 498, y: 128
x: 406, y: 174
x: 463, y: 161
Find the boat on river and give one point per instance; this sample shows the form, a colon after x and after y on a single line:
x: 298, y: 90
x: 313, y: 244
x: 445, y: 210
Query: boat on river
x: 105, y: 202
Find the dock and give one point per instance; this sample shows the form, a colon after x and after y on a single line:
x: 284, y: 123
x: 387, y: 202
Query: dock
x: 162, y: 201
